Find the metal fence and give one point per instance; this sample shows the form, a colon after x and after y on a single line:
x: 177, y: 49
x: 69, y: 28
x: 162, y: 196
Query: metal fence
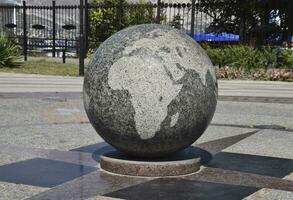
x: 42, y: 28
x: 53, y: 28
x: 75, y: 29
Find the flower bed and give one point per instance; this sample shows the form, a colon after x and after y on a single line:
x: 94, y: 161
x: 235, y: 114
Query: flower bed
x: 274, y: 75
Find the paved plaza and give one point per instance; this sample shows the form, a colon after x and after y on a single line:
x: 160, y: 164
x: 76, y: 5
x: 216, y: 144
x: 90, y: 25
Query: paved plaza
x: 49, y: 150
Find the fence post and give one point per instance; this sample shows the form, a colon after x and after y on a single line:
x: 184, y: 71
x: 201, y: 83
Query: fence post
x: 158, y: 18
x: 24, y: 31
x: 64, y: 51
x: 54, y: 28
x: 192, y: 18
x: 119, y: 14
x: 86, y: 24
x: 81, y: 38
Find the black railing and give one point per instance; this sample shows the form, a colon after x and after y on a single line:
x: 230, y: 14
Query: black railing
x: 58, y: 29
x: 46, y: 27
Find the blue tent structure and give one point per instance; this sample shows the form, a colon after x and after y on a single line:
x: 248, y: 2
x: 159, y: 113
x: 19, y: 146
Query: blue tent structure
x: 215, y: 37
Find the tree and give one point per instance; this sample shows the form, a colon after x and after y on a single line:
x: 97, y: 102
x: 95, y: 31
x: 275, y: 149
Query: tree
x: 256, y: 21
x: 104, y: 17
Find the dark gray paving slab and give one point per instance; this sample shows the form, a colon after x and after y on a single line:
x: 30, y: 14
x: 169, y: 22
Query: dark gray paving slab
x: 183, y: 189
x: 267, y: 166
x: 42, y: 172
x: 11, y: 154
x: 217, y: 175
x: 99, y: 148
x: 91, y: 185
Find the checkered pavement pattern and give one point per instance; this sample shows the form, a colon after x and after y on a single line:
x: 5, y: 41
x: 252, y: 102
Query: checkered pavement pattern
x: 245, y: 162
x: 228, y: 172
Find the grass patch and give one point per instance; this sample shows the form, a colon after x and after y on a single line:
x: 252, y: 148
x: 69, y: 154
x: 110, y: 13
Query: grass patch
x: 44, y: 68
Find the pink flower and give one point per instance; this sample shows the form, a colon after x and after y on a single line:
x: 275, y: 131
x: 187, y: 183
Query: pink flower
x: 256, y: 75
x: 287, y: 74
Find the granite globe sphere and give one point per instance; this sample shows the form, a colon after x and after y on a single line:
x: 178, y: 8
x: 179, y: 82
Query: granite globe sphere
x: 150, y: 90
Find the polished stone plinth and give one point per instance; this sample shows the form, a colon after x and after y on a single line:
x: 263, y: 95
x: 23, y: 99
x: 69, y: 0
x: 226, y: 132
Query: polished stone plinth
x: 182, y: 163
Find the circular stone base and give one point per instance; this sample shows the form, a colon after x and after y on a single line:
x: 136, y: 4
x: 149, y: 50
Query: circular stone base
x: 179, y: 164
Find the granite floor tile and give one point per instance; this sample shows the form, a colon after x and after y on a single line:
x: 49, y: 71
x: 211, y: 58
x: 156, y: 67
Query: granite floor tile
x: 11, y: 153
x: 42, y: 172
x: 270, y: 143
x: 218, y: 145
x: 215, y: 132
x: 50, y: 136
x: 171, y: 188
x: 272, y: 194
x: 89, y: 186
x: 262, y: 165
x: 18, y: 191
x: 217, y: 175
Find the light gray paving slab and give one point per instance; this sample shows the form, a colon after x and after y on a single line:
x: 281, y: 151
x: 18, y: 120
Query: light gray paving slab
x: 219, y: 132
x: 8, y: 158
x: 248, y: 113
x: 267, y: 142
x: 59, y: 136
x: 10, y: 191
x: 24, y: 111
x: 271, y: 194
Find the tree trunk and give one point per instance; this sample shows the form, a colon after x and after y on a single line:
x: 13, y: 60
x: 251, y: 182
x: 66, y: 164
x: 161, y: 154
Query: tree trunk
x: 242, y: 29
x: 290, y: 24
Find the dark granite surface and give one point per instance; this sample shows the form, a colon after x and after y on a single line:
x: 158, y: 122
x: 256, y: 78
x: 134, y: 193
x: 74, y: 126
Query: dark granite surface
x: 42, y: 172
x: 183, y: 189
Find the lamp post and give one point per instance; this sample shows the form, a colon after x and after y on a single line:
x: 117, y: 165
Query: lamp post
x: 81, y: 38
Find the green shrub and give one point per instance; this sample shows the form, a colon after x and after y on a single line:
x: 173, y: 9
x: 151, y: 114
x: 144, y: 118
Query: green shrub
x: 269, y: 58
x: 220, y: 57
x: 243, y: 57
x: 287, y: 58
x: 9, y: 52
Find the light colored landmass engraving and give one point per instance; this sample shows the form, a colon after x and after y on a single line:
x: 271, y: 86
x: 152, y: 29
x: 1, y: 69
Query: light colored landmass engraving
x: 150, y: 73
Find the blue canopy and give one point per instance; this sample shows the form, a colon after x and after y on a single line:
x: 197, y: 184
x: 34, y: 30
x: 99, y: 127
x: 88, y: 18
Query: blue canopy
x: 215, y: 37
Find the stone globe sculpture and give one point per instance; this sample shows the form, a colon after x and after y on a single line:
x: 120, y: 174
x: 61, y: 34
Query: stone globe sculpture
x: 150, y: 90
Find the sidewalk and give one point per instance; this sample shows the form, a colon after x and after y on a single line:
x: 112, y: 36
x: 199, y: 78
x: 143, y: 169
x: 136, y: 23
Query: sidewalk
x: 16, y: 83
x: 247, y: 149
